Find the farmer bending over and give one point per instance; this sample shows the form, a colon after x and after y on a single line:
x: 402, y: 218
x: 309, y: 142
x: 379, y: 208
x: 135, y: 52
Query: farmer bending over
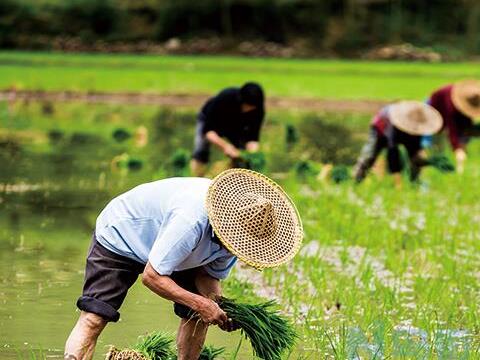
x: 459, y: 105
x: 403, y: 123
x: 231, y: 121
x: 183, y: 235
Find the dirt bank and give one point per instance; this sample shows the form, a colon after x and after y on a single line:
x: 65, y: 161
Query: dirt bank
x: 190, y: 100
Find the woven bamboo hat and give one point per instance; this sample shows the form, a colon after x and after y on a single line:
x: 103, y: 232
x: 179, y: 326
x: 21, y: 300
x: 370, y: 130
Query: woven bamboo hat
x: 466, y: 97
x: 254, y: 218
x: 415, y: 118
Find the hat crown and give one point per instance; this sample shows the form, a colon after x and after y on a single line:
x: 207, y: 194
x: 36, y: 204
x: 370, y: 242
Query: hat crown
x: 258, y: 215
x: 474, y: 100
x: 417, y: 115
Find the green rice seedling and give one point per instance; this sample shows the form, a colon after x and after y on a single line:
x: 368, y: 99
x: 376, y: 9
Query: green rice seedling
x: 306, y: 168
x: 251, y: 160
x: 121, y: 135
x: 291, y: 134
x: 442, y: 163
x: 270, y: 334
x: 178, y: 162
x: 340, y: 174
x: 155, y: 346
x: 210, y: 352
x: 134, y: 164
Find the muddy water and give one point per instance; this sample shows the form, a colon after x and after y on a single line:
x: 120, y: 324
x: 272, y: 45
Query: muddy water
x: 47, y: 214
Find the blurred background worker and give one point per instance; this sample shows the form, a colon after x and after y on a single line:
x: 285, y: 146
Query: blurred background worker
x: 459, y: 105
x: 231, y: 121
x: 403, y: 123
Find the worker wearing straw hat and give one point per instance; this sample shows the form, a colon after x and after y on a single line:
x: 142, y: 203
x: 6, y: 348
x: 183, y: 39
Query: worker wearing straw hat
x: 183, y: 235
x: 459, y: 105
x: 403, y: 123
x: 231, y: 121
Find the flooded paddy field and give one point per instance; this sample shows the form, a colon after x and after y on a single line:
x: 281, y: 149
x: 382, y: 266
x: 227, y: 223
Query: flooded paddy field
x: 382, y: 274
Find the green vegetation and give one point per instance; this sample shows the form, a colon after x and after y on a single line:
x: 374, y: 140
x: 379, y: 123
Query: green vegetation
x: 270, y: 334
x: 328, y: 26
x: 382, y: 273
x: 333, y: 79
x: 158, y: 346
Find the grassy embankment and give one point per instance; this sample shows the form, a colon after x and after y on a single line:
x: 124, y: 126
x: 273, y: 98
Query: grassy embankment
x: 192, y: 75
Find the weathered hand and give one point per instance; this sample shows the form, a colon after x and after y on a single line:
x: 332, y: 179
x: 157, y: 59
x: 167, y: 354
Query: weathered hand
x: 210, y: 313
x: 230, y: 325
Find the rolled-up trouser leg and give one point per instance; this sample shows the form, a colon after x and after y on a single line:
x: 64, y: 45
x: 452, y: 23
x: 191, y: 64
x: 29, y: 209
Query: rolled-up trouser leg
x: 394, y: 160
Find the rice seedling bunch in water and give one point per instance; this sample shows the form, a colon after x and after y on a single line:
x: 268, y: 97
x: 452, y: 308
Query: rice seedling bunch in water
x: 156, y: 346
x: 125, y: 354
x: 269, y: 333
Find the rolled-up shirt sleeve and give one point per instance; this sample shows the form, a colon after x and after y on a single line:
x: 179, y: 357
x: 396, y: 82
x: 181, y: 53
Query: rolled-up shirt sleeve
x: 221, y: 267
x: 174, y: 243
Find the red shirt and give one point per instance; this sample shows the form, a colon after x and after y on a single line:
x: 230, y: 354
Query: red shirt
x: 381, y: 120
x: 453, y: 120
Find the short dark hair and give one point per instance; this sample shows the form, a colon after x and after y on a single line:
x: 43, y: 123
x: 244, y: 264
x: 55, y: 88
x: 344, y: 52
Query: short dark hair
x: 252, y: 93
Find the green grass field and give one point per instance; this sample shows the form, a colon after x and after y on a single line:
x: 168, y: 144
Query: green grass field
x: 206, y: 74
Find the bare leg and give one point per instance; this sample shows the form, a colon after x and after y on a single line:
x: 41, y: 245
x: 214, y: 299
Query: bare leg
x: 190, y: 339
x: 83, y: 338
x: 198, y: 168
x: 397, y: 180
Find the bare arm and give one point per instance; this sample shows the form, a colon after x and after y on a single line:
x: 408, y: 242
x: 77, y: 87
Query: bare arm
x: 165, y: 287
x: 222, y: 144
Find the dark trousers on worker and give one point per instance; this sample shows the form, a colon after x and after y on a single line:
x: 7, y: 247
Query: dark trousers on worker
x: 377, y: 142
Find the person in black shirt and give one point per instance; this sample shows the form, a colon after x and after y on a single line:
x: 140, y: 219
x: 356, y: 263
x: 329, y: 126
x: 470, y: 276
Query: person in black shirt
x: 231, y: 121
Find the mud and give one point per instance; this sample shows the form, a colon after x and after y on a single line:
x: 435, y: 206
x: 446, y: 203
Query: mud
x: 191, y: 100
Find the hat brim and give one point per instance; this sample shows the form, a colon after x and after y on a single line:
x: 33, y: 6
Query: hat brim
x: 224, y: 198
x: 460, y: 93
x: 400, y: 115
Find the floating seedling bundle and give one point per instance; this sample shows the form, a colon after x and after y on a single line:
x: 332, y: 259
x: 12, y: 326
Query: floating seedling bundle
x: 270, y: 334
x: 157, y: 346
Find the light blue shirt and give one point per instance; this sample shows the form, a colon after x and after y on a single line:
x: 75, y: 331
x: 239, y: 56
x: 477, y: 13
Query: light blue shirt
x: 165, y: 223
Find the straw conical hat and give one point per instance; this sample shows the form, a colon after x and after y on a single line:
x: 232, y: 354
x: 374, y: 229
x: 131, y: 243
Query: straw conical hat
x: 254, y: 218
x: 415, y: 118
x: 466, y: 97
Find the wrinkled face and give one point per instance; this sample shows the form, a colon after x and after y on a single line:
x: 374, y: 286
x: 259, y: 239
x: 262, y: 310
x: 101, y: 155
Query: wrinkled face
x: 247, y: 107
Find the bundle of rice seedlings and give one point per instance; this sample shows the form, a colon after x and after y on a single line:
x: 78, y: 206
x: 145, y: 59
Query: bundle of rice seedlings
x: 269, y: 333
x: 157, y: 346
x: 340, y: 174
x: 441, y: 162
x: 126, y: 354
x: 251, y: 160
